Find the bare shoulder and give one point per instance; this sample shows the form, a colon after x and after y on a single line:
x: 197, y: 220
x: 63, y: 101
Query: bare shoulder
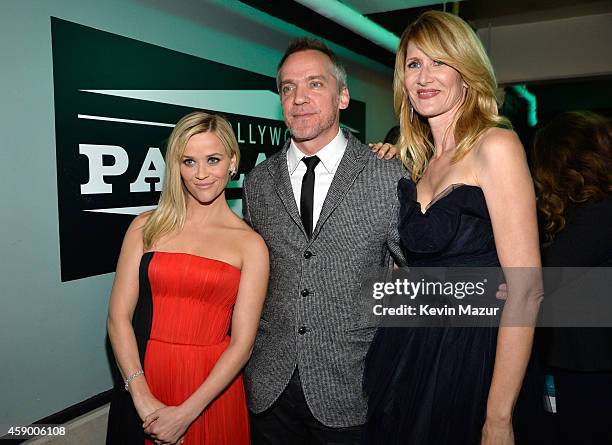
x: 252, y: 247
x: 498, y: 142
x: 502, y: 136
x: 135, y: 230
x: 498, y: 147
x: 139, y: 222
x: 133, y: 244
x: 501, y: 164
x: 252, y: 242
x: 246, y: 237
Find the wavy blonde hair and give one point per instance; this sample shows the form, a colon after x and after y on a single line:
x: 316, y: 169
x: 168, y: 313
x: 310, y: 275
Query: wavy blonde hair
x: 447, y: 38
x: 172, y: 208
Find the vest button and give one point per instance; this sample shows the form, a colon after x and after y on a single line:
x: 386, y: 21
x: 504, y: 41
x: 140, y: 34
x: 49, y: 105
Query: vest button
x: 302, y: 330
x: 308, y: 254
x: 305, y: 292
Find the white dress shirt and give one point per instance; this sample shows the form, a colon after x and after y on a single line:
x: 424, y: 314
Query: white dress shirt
x: 330, y: 157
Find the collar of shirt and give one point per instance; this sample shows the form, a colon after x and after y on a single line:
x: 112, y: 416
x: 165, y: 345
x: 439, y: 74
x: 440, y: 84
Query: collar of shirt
x: 330, y: 155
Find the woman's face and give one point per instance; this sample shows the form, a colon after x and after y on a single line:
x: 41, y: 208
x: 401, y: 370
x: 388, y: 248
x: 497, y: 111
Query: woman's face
x: 204, y: 167
x: 435, y: 89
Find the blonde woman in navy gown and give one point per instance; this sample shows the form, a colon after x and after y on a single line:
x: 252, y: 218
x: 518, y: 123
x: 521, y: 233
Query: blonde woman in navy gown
x: 470, y: 203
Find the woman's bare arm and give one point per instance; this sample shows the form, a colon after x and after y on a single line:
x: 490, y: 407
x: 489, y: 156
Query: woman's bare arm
x: 124, y: 296
x: 504, y: 177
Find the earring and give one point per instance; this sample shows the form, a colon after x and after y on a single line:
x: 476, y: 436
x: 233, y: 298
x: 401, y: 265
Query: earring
x: 411, y: 112
x: 231, y: 172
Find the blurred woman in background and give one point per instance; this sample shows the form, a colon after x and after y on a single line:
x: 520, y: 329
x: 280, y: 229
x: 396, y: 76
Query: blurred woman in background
x: 573, y: 176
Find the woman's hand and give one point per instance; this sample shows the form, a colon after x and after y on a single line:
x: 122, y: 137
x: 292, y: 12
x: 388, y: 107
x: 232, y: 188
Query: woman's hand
x: 383, y: 150
x: 168, y: 424
x: 147, y: 405
x: 502, y: 292
x: 497, y: 433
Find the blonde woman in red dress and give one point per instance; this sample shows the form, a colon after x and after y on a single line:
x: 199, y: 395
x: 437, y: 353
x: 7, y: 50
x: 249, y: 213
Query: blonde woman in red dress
x: 189, y: 272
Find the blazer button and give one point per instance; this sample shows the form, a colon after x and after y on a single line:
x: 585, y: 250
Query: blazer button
x: 308, y: 254
x: 305, y: 292
x: 302, y: 330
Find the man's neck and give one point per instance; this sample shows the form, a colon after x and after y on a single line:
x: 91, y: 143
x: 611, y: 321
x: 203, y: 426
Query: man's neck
x: 313, y: 146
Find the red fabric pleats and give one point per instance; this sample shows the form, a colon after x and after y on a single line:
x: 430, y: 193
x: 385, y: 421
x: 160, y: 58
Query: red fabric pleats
x: 193, y: 298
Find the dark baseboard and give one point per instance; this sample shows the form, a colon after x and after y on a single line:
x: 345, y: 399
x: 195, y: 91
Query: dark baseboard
x: 66, y: 415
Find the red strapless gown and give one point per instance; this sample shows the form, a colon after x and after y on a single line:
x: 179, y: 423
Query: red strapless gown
x: 192, y: 302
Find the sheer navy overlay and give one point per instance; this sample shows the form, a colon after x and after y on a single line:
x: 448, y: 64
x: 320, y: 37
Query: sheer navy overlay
x: 430, y: 385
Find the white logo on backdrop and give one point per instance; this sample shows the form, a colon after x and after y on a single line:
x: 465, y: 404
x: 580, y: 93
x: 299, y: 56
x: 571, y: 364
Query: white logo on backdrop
x: 262, y: 104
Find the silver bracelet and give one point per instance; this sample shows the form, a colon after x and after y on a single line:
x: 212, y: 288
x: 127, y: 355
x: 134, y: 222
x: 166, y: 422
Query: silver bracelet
x: 132, y: 377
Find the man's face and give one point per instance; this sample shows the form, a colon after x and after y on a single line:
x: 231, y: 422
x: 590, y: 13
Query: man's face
x: 310, y: 98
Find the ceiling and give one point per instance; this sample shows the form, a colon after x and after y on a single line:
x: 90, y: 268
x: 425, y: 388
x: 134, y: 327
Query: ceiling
x: 372, y: 6
x: 482, y: 13
x: 394, y: 16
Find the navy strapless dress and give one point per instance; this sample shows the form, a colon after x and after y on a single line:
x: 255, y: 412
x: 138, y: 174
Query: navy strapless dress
x: 429, y: 386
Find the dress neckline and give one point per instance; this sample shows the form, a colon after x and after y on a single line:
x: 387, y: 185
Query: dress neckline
x: 441, y: 195
x: 152, y: 252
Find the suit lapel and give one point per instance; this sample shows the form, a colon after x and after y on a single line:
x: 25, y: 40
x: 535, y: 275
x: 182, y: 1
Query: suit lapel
x: 282, y: 184
x: 353, y: 161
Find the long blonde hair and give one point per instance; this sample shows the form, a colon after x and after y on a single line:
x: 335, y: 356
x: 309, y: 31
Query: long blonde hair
x: 447, y: 38
x: 172, y: 208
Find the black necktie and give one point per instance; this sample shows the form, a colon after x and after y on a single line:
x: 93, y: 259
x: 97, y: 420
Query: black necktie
x: 306, y: 198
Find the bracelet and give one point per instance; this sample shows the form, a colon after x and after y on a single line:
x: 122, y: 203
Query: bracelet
x: 132, y: 377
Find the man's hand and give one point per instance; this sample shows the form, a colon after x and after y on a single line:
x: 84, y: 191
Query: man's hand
x: 383, y: 150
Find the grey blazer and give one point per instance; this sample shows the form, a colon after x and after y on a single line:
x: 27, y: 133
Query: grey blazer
x: 311, y: 318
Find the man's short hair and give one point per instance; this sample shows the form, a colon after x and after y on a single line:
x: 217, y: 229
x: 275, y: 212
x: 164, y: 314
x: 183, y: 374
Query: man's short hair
x: 308, y: 43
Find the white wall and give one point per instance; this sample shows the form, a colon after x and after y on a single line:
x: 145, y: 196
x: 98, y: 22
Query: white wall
x: 52, y: 334
x: 555, y: 49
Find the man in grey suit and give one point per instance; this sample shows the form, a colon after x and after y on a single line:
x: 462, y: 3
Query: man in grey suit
x: 327, y: 209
